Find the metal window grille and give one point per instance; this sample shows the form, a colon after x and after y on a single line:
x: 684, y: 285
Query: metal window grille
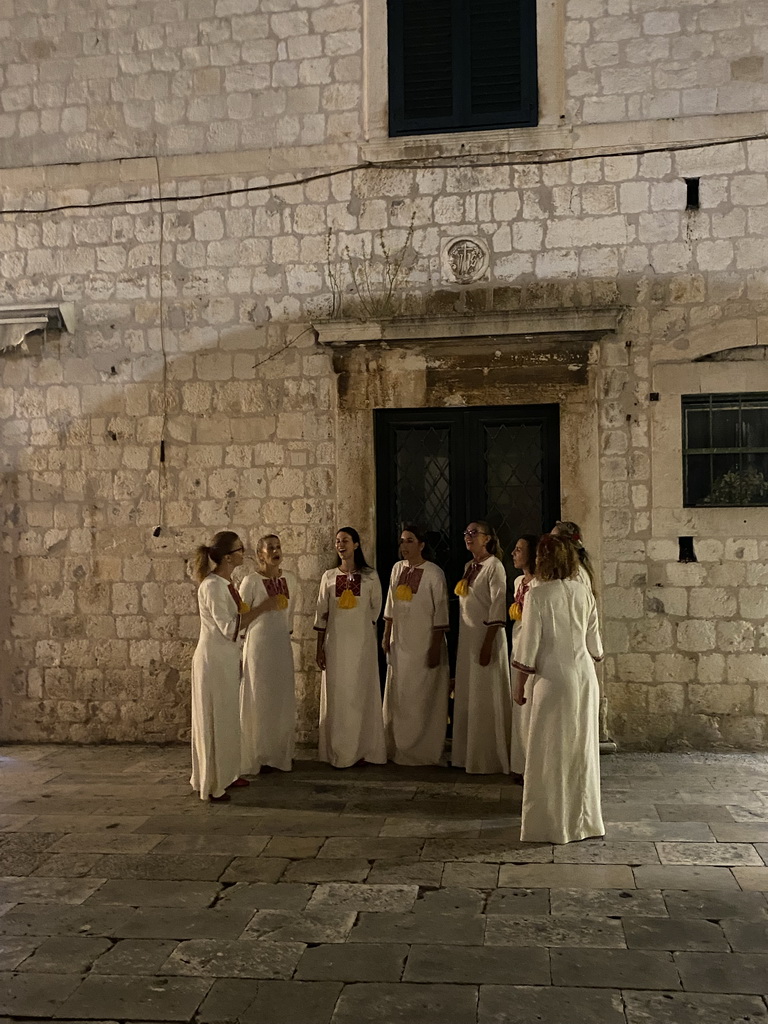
x: 725, y: 450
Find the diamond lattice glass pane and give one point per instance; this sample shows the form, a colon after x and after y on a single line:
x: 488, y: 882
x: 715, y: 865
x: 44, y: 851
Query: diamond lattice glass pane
x: 422, y: 484
x: 514, y: 474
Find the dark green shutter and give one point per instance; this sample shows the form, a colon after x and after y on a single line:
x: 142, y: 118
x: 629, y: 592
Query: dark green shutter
x: 457, y: 65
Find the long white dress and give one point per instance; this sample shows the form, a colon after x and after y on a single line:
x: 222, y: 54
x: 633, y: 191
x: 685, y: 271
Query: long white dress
x: 216, y: 690
x: 521, y: 714
x: 268, y: 694
x: 416, y: 697
x: 559, y: 642
x: 351, y: 722
x: 483, y: 698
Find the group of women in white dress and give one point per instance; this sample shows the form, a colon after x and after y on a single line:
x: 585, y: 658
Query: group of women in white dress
x: 550, y: 741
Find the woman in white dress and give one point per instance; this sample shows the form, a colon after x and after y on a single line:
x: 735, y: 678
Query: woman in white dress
x: 348, y: 605
x: 216, y: 669
x: 268, y: 694
x: 418, y: 677
x: 558, y: 645
x: 523, y: 558
x: 482, y: 707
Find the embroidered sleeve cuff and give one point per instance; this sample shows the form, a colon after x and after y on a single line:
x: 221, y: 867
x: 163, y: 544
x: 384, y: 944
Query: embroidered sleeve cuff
x: 495, y: 622
x: 440, y: 629
x: 319, y: 629
x: 523, y: 668
x: 598, y: 659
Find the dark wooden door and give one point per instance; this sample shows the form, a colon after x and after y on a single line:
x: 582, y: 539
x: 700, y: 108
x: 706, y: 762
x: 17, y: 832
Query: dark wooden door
x: 444, y: 468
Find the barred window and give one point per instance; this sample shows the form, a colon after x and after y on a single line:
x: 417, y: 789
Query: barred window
x: 725, y: 450
x: 461, y: 65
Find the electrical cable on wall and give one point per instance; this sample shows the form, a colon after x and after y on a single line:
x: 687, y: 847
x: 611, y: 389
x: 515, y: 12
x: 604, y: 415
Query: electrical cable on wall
x: 424, y: 163
x: 161, y: 467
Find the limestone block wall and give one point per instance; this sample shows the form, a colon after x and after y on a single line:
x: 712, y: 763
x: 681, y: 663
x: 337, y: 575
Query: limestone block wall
x: 662, y: 58
x: 84, y: 81
x: 89, y: 81
x: 195, y: 327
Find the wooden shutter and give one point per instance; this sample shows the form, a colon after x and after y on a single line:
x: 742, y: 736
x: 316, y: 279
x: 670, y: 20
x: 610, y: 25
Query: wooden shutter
x: 457, y: 65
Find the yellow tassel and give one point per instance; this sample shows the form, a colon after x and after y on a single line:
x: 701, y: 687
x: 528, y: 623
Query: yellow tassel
x: 515, y: 612
x: 461, y: 589
x: 347, y: 600
x: 282, y: 602
x: 244, y: 607
x: 404, y: 592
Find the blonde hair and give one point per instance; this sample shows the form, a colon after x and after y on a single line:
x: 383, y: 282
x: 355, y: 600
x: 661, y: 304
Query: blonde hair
x: 214, y: 552
x: 556, y: 559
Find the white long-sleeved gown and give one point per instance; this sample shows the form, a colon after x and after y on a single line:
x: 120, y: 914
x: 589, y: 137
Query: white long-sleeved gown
x: 483, y: 698
x: 216, y: 690
x: 559, y: 642
x: 416, y: 697
x: 268, y: 694
x: 351, y: 722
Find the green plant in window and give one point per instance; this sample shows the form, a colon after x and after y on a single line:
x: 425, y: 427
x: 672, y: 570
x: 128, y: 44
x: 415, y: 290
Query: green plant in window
x: 747, y: 486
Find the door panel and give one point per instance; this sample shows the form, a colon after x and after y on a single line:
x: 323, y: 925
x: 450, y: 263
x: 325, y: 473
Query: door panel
x: 443, y: 468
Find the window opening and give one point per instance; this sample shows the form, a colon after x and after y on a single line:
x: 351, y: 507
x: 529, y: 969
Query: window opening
x: 725, y: 450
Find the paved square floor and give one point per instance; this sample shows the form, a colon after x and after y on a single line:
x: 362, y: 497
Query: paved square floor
x: 377, y: 895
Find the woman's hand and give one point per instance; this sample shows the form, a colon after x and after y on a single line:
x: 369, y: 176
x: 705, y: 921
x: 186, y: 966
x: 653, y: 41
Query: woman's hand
x: 519, y: 694
x: 386, y: 640
x: 320, y: 652
x: 433, y: 654
x: 269, y: 604
x: 485, y: 653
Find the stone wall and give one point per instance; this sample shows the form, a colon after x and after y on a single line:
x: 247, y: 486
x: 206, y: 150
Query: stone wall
x: 102, y: 614
x: 194, y: 325
x: 659, y: 59
x: 84, y: 81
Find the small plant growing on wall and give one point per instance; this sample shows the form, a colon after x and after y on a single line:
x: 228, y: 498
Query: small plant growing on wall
x: 368, y: 284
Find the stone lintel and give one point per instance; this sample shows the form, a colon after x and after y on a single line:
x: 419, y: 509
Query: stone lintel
x: 496, y: 328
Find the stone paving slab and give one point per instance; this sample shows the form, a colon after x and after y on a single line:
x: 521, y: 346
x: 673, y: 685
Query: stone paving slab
x: 281, y: 1002
x: 684, y: 876
x: 715, y: 905
x: 448, y: 929
x: 155, y: 893
x: 615, y: 968
x: 139, y: 999
x: 692, y: 1008
x: 36, y: 995
x: 674, y: 934
x: 353, y: 962
x: 505, y: 930
x: 406, y: 1003
x: 380, y: 896
x: 505, y: 1004
x: 309, y: 926
x: 482, y: 965
x: 228, y: 958
x: 718, y: 972
x: 66, y: 954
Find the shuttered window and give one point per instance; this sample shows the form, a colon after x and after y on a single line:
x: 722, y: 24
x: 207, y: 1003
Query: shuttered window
x: 459, y: 65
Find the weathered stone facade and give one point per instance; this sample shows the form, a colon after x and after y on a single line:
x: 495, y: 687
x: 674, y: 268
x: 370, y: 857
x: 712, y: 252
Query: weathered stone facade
x: 196, y: 324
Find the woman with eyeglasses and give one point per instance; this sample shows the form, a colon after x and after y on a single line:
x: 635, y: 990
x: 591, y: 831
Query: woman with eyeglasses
x: 554, y: 659
x: 268, y: 693
x: 216, y: 668
x: 348, y: 605
x: 418, y: 677
x: 482, y: 708
x: 524, y: 559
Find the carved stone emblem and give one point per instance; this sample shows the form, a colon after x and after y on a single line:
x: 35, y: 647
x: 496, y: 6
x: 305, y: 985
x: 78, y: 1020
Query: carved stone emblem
x: 466, y: 259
